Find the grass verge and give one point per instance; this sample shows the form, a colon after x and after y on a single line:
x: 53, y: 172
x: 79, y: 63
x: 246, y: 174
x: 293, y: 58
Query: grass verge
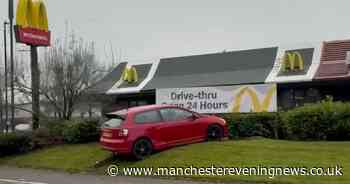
x: 68, y: 158
x: 242, y: 153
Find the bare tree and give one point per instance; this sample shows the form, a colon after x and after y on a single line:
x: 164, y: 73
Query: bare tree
x: 68, y: 70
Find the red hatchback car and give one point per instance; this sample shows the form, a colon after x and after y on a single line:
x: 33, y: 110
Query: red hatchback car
x: 138, y: 131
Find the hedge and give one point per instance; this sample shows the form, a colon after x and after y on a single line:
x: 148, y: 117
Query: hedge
x: 254, y: 124
x: 50, y: 133
x: 44, y: 137
x: 81, y: 132
x: 12, y: 143
x: 326, y: 120
x: 69, y: 131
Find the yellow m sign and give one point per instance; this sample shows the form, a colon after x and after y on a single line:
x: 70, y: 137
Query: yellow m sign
x: 32, y: 14
x: 257, y: 105
x: 130, y: 75
x: 293, y: 61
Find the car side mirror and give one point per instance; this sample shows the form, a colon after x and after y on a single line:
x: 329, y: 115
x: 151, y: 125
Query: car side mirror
x: 194, y: 116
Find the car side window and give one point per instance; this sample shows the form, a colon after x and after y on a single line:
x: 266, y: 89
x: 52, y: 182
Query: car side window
x: 147, y: 117
x: 172, y: 114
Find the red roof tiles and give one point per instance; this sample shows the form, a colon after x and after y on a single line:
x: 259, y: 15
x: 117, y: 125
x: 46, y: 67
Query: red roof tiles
x: 333, y: 60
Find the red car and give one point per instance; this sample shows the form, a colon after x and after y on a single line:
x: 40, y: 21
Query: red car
x: 138, y: 131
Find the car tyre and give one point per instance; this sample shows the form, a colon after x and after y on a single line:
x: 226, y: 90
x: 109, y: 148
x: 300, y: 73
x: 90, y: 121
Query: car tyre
x: 215, y: 132
x: 142, y: 148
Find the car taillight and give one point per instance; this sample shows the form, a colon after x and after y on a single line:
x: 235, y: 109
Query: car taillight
x: 123, y: 132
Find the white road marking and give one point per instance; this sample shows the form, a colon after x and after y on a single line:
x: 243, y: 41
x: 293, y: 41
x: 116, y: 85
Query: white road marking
x: 20, y: 182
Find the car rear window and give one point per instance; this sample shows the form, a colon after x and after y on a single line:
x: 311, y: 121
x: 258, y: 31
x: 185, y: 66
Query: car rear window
x: 112, y: 123
x: 113, y: 120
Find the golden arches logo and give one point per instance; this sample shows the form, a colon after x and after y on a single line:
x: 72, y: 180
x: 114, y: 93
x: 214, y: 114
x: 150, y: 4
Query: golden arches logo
x: 293, y: 61
x: 130, y: 75
x: 32, y: 14
x: 257, y: 105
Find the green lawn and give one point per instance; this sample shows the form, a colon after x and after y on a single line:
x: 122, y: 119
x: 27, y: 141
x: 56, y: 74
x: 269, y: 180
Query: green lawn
x: 69, y: 158
x: 242, y: 153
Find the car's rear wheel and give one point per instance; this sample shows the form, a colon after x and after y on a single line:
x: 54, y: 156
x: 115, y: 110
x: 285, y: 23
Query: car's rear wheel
x: 142, y: 148
x: 215, y: 132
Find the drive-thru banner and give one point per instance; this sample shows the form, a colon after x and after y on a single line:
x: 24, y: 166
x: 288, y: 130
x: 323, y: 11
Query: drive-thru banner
x: 223, y: 99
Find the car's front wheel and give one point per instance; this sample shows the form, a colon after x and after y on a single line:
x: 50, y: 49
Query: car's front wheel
x: 215, y: 132
x: 142, y: 148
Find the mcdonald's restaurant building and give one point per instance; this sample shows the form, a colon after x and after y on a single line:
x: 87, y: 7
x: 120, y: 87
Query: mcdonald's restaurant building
x: 264, y: 79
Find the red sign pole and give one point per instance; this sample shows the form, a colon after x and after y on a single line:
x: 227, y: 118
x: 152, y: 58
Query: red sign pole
x: 6, y: 80
x: 36, y: 34
x: 35, y: 74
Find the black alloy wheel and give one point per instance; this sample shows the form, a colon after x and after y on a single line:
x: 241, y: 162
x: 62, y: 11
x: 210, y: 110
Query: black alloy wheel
x: 215, y: 132
x: 142, y: 149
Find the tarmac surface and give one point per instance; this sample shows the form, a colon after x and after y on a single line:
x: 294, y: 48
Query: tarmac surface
x: 10, y: 175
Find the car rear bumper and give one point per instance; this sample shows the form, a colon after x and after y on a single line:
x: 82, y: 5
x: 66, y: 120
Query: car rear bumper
x: 226, y: 131
x: 115, y: 145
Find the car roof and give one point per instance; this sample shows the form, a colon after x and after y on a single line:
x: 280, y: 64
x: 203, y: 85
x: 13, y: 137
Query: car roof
x: 142, y: 109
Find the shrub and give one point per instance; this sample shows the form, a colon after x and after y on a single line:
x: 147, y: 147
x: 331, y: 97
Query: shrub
x: 14, y: 143
x: 72, y: 131
x: 54, y: 127
x: 44, y: 137
x: 326, y: 120
x: 80, y: 132
x: 49, y: 133
x: 254, y: 124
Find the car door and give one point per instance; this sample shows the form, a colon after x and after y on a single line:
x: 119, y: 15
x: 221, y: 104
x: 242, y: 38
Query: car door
x: 177, y: 125
x: 193, y: 124
x: 151, y: 123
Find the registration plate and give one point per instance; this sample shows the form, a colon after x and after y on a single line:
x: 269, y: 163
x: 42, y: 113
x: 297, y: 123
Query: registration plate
x: 107, y: 134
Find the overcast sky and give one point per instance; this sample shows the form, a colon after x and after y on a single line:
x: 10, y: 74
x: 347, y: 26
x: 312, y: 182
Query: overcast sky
x: 145, y: 30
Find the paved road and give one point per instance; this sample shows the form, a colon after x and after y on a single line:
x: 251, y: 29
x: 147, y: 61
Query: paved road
x: 9, y: 175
